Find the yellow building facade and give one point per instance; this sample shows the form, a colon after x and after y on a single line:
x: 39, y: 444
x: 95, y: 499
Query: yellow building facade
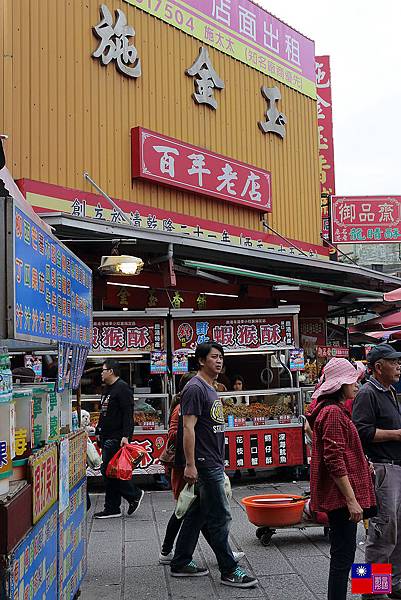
x: 66, y: 113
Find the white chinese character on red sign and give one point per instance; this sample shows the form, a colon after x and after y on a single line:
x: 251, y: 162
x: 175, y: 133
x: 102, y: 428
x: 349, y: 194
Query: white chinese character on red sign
x: 95, y: 337
x: 198, y: 167
x: 227, y: 179
x: 346, y: 212
x: 224, y: 335
x: 366, y: 216
x: 247, y: 22
x: 222, y: 11
x: 252, y: 182
x: 113, y: 337
x: 247, y: 335
x: 386, y: 213
x: 270, y: 334
x: 320, y: 76
x: 137, y: 337
x: 166, y: 160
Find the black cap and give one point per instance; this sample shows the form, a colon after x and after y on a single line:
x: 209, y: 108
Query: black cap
x: 382, y: 351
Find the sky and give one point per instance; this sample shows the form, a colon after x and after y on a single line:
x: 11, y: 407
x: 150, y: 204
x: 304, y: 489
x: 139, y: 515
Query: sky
x: 363, y: 40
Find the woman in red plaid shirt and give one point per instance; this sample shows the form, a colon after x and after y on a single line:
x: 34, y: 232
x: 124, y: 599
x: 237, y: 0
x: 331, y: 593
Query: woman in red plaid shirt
x: 341, y: 480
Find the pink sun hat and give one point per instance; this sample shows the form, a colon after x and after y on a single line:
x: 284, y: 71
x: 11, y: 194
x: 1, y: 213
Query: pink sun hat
x: 337, y: 372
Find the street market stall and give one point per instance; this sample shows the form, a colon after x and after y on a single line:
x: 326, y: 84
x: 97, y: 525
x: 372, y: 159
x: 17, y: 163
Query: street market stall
x: 263, y: 428
x: 46, y: 305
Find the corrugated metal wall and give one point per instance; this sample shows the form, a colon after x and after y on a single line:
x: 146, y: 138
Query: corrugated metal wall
x: 65, y: 113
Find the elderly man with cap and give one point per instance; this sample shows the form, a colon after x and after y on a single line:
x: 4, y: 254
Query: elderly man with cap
x: 377, y: 416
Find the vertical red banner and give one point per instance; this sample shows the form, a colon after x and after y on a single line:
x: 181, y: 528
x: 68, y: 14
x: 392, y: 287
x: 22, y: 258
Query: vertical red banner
x: 326, y: 145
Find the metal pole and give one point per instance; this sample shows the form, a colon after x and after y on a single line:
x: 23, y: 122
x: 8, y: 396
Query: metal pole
x: 346, y: 327
x: 99, y: 189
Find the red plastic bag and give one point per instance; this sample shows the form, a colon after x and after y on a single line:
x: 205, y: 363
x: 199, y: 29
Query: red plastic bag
x: 124, y: 462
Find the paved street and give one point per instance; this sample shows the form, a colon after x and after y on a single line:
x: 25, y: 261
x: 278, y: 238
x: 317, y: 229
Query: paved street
x: 123, y: 555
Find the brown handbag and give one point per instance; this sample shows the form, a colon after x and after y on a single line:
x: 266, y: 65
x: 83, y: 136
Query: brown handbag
x: 167, y: 457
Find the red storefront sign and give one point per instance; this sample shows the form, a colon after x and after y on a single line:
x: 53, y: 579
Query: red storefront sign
x: 247, y: 333
x: 165, y: 160
x: 366, y: 219
x: 264, y: 448
x: 126, y: 335
x: 332, y: 351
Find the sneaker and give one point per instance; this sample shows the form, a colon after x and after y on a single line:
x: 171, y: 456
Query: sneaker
x: 238, y: 578
x: 190, y: 570
x: 165, y: 559
x: 238, y: 555
x: 133, y: 506
x: 104, y: 514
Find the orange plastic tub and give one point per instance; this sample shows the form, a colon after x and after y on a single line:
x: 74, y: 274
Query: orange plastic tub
x: 274, y: 510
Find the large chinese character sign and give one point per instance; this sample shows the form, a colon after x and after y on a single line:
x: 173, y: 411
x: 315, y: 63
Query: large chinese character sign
x: 366, y: 219
x: 165, y: 160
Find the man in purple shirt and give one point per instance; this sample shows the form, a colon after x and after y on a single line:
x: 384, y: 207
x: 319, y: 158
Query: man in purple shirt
x: 202, y: 455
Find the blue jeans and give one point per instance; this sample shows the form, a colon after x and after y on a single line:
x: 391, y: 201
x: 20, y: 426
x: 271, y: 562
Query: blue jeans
x: 211, y: 508
x: 116, y: 488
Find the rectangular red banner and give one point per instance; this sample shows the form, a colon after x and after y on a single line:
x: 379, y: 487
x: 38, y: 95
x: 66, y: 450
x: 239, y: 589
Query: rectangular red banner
x: 247, y: 333
x: 366, y: 219
x: 127, y: 335
x: 332, y: 351
x: 162, y: 159
x: 326, y: 144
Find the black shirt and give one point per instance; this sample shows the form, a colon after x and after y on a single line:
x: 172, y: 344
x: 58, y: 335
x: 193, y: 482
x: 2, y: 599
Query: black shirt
x: 116, y: 419
x: 376, y: 407
x: 201, y: 400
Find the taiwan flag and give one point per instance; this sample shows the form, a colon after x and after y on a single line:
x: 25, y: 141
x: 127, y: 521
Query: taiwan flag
x: 371, y: 578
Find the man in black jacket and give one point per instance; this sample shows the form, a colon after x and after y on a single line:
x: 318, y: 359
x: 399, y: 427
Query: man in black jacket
x: 114, y: 430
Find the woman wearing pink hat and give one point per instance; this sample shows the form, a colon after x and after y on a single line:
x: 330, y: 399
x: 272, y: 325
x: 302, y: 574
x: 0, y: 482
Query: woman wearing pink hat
x: 341, y: 482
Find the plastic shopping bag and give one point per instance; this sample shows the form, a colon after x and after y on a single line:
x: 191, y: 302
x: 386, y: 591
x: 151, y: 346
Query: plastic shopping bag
x: 185, y: 499
x: 92, y: 456
x: 124, y: 462
x: 227, y: 487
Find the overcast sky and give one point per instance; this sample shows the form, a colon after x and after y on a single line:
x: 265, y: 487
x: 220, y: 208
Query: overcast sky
x: 363, y: 39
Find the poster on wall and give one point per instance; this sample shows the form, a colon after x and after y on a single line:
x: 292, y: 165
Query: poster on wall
x: 43, y: 474
x: 158, y: 363
x: 297, y: 360
x: 180, y: 362
x: 34, y: 363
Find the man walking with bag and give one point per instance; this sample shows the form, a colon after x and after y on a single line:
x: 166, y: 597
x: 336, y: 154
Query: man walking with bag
x: 377, y: 415
x: 114, y: 430
x: 202, y: 454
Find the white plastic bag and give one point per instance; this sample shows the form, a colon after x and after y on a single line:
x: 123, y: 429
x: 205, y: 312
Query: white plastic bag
x: 227, y: 487
x: 92, y: 456
x: 185, y: 499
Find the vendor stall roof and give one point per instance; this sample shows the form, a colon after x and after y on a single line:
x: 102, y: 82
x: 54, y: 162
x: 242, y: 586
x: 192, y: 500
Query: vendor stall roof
x: 345, y: 278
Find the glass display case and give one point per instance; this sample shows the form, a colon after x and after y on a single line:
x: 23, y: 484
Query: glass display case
x: 262, y: 407
x: 150, y: 411
x: 307, y: 397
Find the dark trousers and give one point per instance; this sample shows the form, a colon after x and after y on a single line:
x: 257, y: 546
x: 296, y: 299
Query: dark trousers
x: 210, y: 508
x: 342, y: 552
x: 116, y: 488
x: 173, y: 527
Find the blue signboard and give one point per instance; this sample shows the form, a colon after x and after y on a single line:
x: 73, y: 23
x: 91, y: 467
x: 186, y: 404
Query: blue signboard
x: 53, y: 288
x: 72, y: 543
x: 33, y: 567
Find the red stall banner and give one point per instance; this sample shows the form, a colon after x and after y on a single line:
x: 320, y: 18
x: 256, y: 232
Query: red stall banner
x: 366, y: 219
x: 332, y: 351
x: 326, y: 144
x: 127, y: 335
x: 161, y: 159
x: 264, y: 448
x: 247, y: 333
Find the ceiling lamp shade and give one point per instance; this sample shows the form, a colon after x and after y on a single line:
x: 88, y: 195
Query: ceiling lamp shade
x: 121, y: 265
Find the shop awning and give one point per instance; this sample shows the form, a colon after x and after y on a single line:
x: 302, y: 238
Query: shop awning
x: 281, y: 279
x: 384, y: 323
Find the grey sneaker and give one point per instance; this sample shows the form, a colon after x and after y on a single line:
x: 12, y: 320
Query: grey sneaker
x: 190, y: 570
x: 165, y: 559
x: 239, y: 579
